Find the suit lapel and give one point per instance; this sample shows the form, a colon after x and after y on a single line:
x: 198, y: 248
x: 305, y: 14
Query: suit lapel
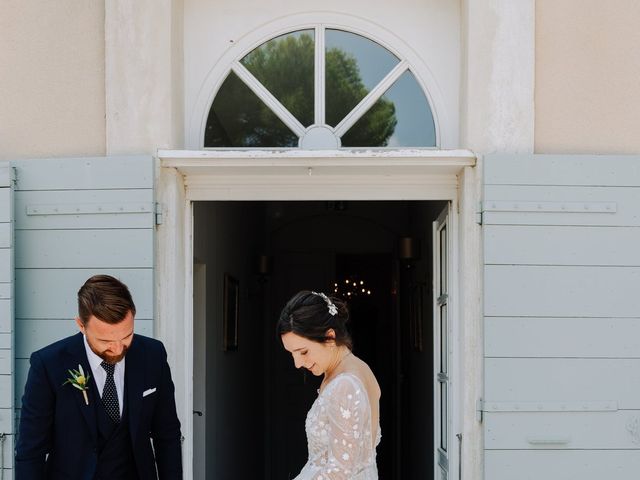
x: 134, y: 379
x: 78, y: 356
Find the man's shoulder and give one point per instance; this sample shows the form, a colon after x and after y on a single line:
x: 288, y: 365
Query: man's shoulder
x: 149, y: 344
x: 59, y: 346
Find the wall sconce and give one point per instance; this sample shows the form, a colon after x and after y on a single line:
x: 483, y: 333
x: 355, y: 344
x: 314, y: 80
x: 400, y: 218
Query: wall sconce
x: 263, y: 267
x: 408, y: 249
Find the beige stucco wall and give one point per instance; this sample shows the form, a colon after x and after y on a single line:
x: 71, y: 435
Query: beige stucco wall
x: 51, y: 78
x: 587, y: 90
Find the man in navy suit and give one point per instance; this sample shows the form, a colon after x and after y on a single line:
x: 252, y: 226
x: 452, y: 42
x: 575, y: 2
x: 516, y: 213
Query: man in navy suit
x: 101, y: 427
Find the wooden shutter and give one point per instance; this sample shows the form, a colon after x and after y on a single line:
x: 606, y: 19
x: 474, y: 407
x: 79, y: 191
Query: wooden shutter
x: 7, y: 368
x: 74, y: 218
x: 562, y: 317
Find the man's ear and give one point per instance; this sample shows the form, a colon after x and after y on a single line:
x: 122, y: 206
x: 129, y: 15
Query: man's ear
x: 80, y: 324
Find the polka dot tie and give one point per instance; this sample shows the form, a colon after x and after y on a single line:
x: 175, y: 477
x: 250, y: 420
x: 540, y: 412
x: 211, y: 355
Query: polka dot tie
x: 109, y: 394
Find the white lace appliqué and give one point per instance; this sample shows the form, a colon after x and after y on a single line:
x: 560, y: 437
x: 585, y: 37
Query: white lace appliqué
x: 339, y: 434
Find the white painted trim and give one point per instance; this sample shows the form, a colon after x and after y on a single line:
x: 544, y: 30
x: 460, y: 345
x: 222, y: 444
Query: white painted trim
x: 419, y: 155
x: 172, y: 290
x: 188, y: 337
x: 233, y: 176
x: 455, y: 320
x: 445, y: 124
x: 469, y: 343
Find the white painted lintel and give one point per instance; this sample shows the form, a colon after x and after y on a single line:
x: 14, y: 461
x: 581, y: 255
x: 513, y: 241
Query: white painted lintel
x: 167, y: 156
x: 326, y: 162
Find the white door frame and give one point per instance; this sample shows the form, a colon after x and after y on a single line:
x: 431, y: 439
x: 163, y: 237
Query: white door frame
x: 187, y: 176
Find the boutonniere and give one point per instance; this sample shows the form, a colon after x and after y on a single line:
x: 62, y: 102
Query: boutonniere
x: 79, y: 380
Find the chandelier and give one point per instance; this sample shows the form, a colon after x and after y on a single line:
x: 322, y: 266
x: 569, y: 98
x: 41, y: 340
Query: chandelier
x: 351, y: 287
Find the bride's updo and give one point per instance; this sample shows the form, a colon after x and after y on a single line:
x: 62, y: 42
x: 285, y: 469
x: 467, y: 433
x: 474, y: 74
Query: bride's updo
x: 310, y: 315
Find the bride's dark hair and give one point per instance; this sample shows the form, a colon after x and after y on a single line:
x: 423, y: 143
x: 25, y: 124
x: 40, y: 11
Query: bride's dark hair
x: 308, y: 314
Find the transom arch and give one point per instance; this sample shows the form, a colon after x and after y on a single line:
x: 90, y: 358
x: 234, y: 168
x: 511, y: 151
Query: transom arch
x: 406, y: 90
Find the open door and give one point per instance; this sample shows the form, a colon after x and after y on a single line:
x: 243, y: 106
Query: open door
x: 441, y: 351
x: 200, y: 368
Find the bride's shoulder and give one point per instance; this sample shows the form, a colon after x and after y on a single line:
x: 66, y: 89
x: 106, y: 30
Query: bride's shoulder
x: 356, y: 380
x: 345, y: 384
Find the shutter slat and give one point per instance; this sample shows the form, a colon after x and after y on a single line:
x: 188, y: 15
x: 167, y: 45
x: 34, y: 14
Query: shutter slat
x: 599, y: 430
x: 122, y: 248
x: 626, y: 200
x: 562, y: 465
x: 562, y: 245
x: 547, y: 337
x: 584, y: 170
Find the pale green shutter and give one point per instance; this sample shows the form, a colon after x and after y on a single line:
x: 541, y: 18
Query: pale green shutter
x: 7, y: 368
x: 562, y: 317
x: 74, y: 218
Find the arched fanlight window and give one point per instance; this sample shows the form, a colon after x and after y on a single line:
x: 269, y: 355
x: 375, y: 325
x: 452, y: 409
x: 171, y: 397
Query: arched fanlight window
x: 320, y: 89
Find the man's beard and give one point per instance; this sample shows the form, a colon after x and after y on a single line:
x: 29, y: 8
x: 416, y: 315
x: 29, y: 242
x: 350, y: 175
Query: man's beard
x: 113, y: 358
x: 110, y: 358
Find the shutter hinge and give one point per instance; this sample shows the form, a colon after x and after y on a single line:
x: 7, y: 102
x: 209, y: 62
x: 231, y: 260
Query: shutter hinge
x: 479, y: 410
x: 480, y: 214
x: 159, y: 213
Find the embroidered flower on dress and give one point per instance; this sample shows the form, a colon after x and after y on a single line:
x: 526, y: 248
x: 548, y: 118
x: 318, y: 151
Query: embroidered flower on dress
x: 346, y: 414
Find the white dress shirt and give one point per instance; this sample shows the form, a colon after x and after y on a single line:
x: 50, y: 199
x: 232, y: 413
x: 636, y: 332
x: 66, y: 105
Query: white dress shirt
x: 100, y: 375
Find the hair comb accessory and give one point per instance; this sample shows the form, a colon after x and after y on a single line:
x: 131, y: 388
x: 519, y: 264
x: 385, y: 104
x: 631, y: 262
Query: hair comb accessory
x: 333, y: 310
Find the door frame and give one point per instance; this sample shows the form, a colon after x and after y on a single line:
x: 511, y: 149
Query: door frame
x: 247, y: 175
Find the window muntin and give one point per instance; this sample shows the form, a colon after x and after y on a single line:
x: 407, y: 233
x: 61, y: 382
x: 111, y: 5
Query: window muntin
x: 298, y: 93
x: 285, y: 66
x: 238, y: 118
x: 353, y: 66
x: 400, y: 118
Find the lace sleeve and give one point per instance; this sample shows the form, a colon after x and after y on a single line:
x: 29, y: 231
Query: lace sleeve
x: 349, y: 445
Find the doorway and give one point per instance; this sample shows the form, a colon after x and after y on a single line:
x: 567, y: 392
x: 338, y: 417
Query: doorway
x: 250, y: 402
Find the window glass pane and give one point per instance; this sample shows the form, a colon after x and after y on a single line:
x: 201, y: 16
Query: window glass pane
x: 400, y: 118
x: 354, y: 65
x: 285, y: 65
x: 443, y: 260
x: 238, y: 118
x: 444, y: 400
x: 444, y: 345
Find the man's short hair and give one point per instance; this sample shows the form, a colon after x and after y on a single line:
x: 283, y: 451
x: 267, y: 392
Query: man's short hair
x: 106, y: 298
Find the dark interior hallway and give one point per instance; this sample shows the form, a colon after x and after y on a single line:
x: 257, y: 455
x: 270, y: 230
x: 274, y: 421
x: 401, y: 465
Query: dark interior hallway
x: 253, y: 401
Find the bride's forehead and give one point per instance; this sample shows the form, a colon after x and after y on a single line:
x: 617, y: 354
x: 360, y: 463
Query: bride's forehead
x: 292, y: 341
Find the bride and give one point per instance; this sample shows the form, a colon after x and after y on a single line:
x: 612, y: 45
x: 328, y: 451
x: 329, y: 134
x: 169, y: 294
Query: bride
x: 343, y: 428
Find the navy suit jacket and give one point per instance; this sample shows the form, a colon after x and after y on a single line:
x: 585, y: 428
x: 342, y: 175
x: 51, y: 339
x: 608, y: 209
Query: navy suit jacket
x: 58, y: 432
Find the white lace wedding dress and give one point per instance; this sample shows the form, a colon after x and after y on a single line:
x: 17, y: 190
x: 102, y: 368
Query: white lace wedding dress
x: 339, y: 433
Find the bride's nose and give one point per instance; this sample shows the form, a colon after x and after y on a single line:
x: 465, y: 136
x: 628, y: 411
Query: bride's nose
x: 298, y: 362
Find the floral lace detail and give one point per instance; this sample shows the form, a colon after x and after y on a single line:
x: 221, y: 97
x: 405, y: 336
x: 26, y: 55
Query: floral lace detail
x: 339, y: 434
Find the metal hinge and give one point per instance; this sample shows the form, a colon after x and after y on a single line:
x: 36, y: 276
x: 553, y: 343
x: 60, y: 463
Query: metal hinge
x: 548, y: 207
x: 480, y: 214
x: 479, y: 410
x: 159, y: 213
